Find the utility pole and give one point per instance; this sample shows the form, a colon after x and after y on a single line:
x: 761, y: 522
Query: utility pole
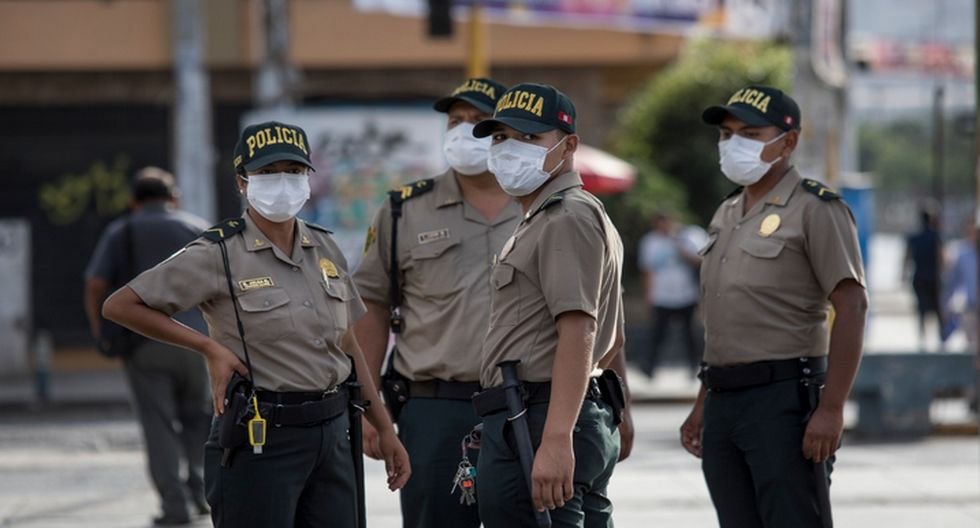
x: 274, y: 83
x: 819, y: 82
x: 477, y: 64
x: 193, y: 139
x: 976, y: 161
x: 938, y: 146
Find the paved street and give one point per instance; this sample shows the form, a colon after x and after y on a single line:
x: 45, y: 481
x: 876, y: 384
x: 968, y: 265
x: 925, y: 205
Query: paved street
x: 86, y: 469
x: 79, y: 461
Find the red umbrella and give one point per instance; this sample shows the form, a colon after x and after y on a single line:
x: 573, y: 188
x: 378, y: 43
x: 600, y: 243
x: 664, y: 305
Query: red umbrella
x: 602, y: 173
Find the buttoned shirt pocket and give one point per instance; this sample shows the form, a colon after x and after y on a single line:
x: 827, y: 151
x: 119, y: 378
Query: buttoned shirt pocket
x: 761, y: 265
x: 339, y: 295
x: 265, y: 314
x: 505, y: 298
x: 434, y: 268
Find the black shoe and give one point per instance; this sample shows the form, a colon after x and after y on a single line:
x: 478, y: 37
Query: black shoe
x: 201, y: 507
x: 169, y: 520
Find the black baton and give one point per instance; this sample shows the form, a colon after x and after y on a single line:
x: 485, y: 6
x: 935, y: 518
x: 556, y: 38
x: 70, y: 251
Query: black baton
x: 357, y: 408
x: 518, y: 420
x: 820, y: 477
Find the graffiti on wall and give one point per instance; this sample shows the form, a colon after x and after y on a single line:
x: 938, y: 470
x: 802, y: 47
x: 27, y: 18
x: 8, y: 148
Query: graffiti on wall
x: 103, y: 188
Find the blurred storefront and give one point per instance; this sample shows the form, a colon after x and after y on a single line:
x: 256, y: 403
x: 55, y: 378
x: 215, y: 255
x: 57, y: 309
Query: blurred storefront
x: 87, y: 90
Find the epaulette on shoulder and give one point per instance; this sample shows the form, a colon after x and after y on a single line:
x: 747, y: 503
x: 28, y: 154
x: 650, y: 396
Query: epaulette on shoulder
x: 411, y: 190
x: 554, y: 199
x: 317, y: 227
x: 224, y: 229
x: 822, y: 191
x: 736, y: 192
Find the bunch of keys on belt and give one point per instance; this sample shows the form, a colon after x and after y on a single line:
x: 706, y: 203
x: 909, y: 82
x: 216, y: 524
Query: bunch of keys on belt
x: 466, y: 482
x: 256, y: 428
x: 465, y: 478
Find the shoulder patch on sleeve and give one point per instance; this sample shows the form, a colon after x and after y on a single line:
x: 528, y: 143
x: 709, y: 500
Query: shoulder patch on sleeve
x: 318, y: 227
x: 822, y: 191
x: 411, y: 190
x: 224, y: 229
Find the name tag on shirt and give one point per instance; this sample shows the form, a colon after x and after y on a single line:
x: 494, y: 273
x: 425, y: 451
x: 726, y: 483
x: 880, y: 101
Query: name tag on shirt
x: 432, y: 236
x: 256, y: 283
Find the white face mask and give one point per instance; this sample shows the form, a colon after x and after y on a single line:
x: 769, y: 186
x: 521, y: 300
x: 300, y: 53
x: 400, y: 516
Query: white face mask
x: 466, y: 154
x: 278, y: 197
x: 519, y: 166
x: 741, y: 160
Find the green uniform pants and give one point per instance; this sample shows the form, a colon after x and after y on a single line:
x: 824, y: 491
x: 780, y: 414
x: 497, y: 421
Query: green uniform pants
x: 502, y: 491
x: 431, y: 430
x: 753, y: 457
x: 304, y: 478
x: 172, y: 396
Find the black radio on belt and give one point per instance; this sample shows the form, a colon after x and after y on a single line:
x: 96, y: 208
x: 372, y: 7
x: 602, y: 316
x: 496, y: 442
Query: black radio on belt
x: 233, y: 433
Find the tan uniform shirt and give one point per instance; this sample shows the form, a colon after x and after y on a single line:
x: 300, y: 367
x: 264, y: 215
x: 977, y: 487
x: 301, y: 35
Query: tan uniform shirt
x: 295, y: 310
x: 767, y: 274
x: 445, y: 252
x: 564, y: 256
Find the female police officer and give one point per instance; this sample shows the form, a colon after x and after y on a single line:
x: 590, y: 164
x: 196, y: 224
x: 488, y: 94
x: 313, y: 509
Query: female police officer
x: 296, y: 303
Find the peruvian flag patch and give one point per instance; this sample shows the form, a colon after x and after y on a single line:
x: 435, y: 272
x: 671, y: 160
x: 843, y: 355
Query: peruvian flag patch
x: 565, y: 118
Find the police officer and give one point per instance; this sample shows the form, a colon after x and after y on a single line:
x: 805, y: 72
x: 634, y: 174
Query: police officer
x: 169, y: 384
x: 782, y: 252
x: 448, y: 230
x: 287, y: 281
x: 556, y: 306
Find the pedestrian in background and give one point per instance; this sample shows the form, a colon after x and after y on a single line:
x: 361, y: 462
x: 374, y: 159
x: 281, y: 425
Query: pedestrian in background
x: 169, y: 384
x: 782, y: 252
x: 669, y: 262
x: 924, y: 255
x: 960, y: 295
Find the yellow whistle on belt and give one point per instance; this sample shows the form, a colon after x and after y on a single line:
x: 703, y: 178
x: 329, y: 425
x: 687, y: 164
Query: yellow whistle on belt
x: 256, y: 428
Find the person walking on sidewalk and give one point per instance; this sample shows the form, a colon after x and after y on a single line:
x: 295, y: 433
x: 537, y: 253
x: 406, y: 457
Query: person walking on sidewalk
x: 782, y: 251
x: 670, y: 264
x: 924, y: 254
x: 169, y: 384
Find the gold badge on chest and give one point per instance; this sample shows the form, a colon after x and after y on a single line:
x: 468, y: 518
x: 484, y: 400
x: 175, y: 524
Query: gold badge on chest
x: 769, y: 225
x: 328, y: 269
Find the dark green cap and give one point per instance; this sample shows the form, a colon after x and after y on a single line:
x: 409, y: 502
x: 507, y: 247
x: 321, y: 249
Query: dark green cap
x: 531, y: 108
x: 270, y: 142
x: 480, y: 92
x: 757, y: 106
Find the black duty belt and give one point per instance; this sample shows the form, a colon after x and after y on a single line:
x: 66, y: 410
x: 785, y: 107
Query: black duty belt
x: 301, y: 408
x: 443, y: 390
x: 494, y: 400
x: 761, y: 373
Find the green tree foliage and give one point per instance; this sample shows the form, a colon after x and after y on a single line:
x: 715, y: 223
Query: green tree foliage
x: 660, y: 130
x: 899, y: 155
